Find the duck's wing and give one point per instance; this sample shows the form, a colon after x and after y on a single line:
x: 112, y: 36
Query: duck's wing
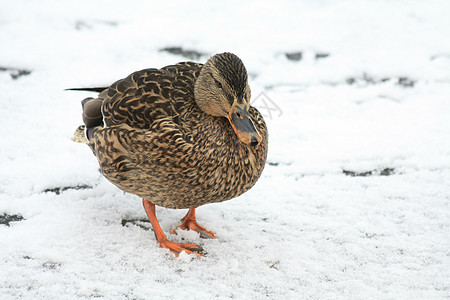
x: 150, y: 94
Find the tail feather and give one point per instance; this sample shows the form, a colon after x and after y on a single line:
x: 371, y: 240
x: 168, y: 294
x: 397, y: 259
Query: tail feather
x: 92, y: 117
x: 78, y: 135
x: 91, y: 89
x: 92, y: 114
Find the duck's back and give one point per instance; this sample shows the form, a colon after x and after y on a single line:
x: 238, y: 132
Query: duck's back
x: 150, y: 94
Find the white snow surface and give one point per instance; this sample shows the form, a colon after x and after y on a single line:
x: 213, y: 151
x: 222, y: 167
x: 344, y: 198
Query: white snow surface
x: 306, y: 230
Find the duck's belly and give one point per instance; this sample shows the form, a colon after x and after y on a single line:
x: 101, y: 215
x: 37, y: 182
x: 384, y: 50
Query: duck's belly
x: 184, y: 189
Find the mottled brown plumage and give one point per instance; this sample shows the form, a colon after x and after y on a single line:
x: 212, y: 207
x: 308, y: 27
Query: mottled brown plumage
x: 164, y: 133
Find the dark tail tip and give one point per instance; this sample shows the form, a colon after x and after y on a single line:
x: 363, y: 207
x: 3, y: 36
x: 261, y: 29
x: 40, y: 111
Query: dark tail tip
x: 92, y: 89
x: 92, y: 112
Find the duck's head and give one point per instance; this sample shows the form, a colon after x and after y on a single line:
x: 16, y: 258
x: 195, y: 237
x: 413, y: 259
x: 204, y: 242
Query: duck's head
x: 222, y: 90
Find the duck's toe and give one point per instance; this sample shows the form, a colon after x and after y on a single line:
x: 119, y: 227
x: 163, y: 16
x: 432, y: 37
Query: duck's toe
x: 193, y: 225
x: 177, y: 248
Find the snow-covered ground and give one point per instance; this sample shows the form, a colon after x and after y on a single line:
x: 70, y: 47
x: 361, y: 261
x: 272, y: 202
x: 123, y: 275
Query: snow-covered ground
x: 353, y: 202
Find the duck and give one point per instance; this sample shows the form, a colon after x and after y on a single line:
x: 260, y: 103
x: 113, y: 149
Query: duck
x: 179, y: 137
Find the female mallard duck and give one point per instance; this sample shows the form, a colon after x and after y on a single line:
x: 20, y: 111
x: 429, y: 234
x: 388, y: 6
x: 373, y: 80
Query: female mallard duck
x: 179, y: 137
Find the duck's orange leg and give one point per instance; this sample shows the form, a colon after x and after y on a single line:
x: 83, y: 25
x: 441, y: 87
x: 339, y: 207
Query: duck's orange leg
x: 176, y: 248
x: 189, y: 222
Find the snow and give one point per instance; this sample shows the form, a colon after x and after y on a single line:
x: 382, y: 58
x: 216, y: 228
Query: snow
x: 379, y: 100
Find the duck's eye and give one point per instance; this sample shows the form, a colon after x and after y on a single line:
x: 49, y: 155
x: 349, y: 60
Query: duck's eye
x: 218, y: 83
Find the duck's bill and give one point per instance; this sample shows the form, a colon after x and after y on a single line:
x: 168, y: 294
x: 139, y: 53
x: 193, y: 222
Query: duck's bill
x: 243, y: 125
